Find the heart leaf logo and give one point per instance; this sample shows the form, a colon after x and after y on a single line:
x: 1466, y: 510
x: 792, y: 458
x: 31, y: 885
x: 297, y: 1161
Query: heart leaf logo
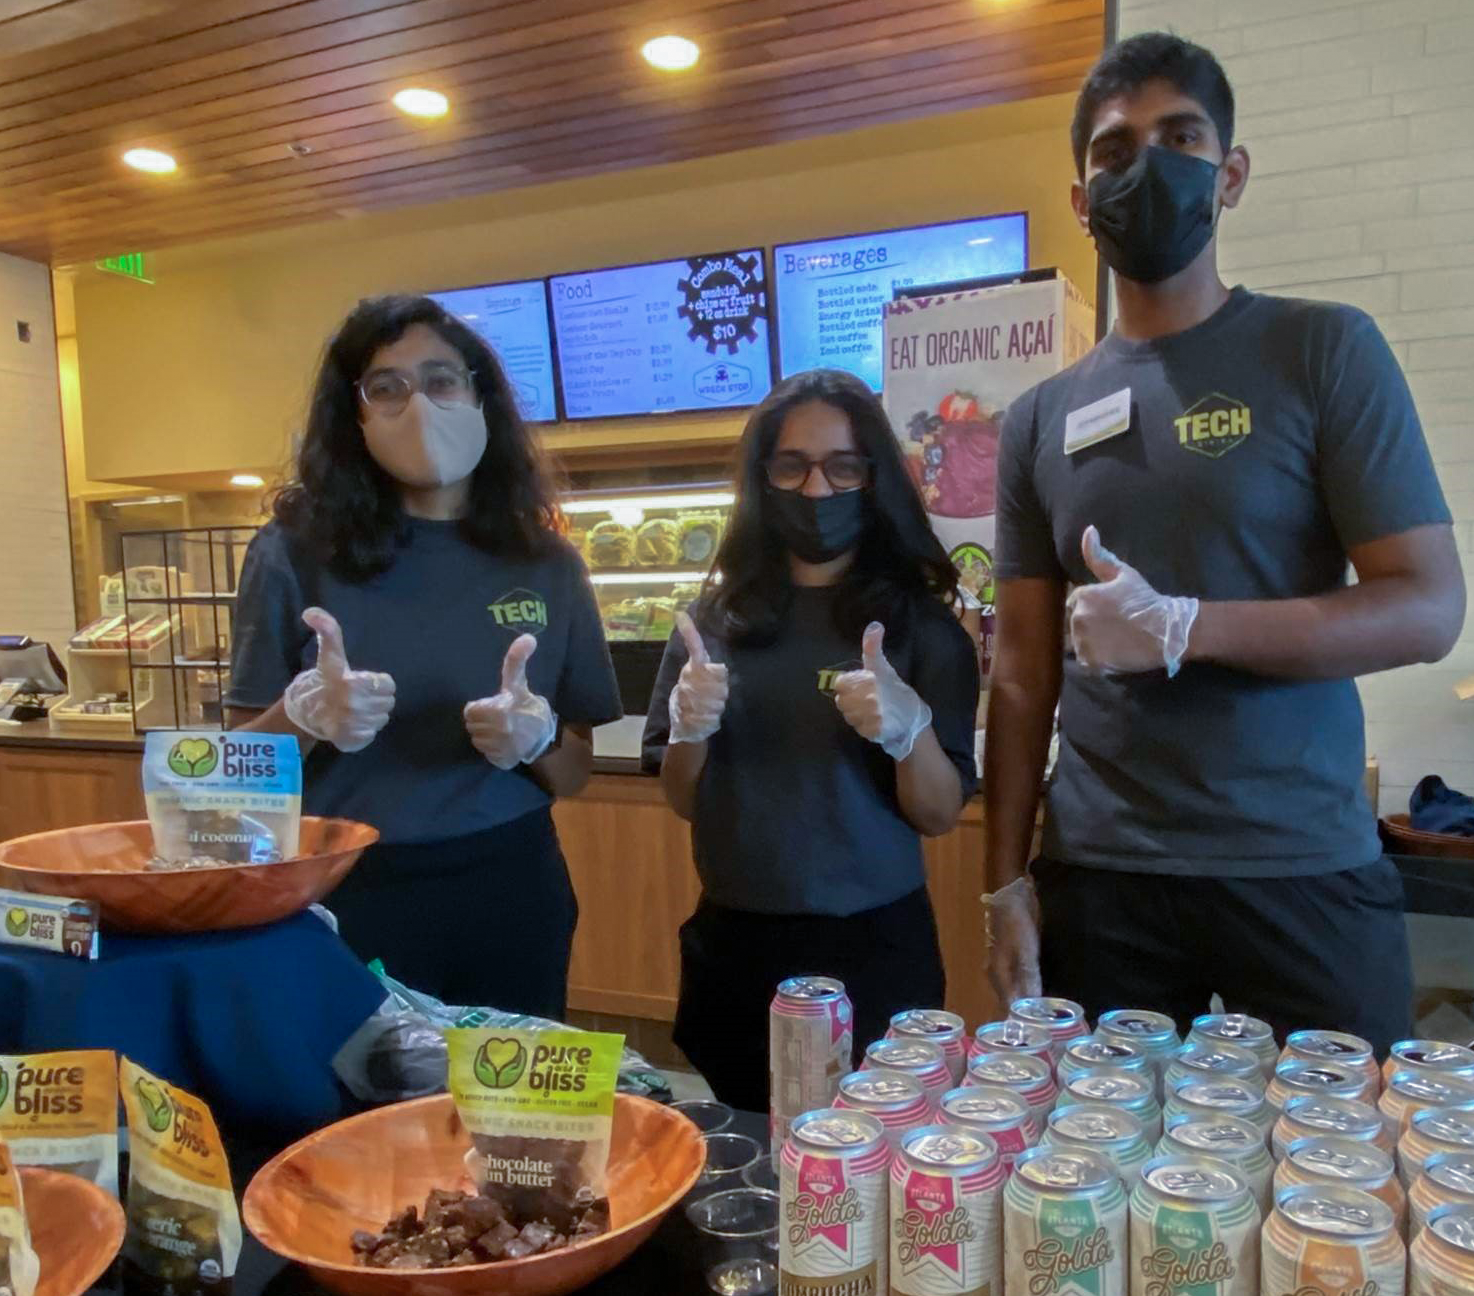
x: 193, y: 757
x: 500, y: 1062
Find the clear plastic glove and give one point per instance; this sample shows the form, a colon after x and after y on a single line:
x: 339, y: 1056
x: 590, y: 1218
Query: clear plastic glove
x: 878, y: 704
x: 1011, y: 927
x: 1123, y: 624
x: 516, y: 726
x: 699, y: 698
x: 332, y: 703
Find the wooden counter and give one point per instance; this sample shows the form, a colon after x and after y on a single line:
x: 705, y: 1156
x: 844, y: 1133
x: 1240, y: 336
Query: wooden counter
x: 629, y: 855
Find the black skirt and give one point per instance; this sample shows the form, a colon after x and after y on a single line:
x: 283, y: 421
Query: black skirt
x: 732, y: 962
x: 481, y: 921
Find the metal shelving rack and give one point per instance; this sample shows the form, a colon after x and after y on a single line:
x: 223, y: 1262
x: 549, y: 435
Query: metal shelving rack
x: 197, y: 570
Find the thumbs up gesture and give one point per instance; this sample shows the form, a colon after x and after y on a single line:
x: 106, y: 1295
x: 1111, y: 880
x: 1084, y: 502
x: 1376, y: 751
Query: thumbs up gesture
x: 878, y: 704
x: 700, y: 696
x: 1122, y: 624
x: 344, y: 707
x: 516, y: 726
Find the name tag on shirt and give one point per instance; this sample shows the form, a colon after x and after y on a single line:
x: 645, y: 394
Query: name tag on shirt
x: 1100, y: 420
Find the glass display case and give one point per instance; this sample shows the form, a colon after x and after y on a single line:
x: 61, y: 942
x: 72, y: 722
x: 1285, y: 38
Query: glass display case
x: 648, y: 550
x: 182, y: 584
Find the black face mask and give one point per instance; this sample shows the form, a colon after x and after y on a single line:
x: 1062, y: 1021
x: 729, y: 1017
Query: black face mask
x: 1152, y: 219
x: 820, y: 530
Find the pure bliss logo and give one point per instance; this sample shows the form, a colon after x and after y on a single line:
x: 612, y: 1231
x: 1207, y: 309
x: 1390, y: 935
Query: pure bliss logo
x: 45, y: 1090
x: 1052, y: 1262
x: 233, y: 758
x: 501, y: 1063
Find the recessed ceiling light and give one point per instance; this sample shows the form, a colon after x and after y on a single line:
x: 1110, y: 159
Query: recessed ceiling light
x: 671, y: 53
x: 422, y: 103
x: 150, y: 160
x: 248, y: 480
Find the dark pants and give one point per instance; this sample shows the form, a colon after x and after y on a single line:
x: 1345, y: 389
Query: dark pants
x: 732, y: 962
x: 481, y: 921
x: 1328, y: 951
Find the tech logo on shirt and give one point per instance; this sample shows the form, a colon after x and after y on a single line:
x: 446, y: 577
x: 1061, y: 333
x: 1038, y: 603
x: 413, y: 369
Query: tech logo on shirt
x: 521, y: 611
x: 828, y: 675
x: 1214, y: 425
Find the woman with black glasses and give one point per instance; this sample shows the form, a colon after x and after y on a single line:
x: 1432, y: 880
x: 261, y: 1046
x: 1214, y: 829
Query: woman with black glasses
x: 813, y: 719
x: 413, y: 615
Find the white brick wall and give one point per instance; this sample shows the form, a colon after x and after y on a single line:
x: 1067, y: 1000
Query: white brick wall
x: 1356, y: 117
x: 35, y: 552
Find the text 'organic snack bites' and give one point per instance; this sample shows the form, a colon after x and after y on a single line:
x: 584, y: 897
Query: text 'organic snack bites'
x: 539, y: 1106
x: 184, y: 1231
x: 222, y: 798
x: 19, y: 1265
x: 60, y: 1110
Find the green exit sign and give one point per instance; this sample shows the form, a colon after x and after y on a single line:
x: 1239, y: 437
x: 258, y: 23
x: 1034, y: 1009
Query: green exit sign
x: 129, y: 265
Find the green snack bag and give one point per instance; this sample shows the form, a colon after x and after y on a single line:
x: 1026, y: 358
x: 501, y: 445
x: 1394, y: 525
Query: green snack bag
x: 539, y: 1106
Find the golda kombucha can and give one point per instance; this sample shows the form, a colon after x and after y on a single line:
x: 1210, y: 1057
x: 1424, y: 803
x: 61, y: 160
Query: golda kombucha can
x: 835, y: 1203
x: 1229, y: 1139
x: 1113, y: 1133
x: 1193, y: 1099
x: 999, y: 1113
x: 1340, y: 1163
x: 1155, y: 1032
x: 1064, y: 1225
x: 943, y: 1028
x: 1064, y: 1019
x: 1244, y: 1032
x: 946, y: 1224
x: 1446, y: 1179
x: 897, y: 1101
x: 1314, y: 1117
x: 1091, y: 1052
x: 1206, y: 1060
x: 1443, y: 1255
x: 1441, y: 1129
x: 1349, y: 1051
x: 811, y: 1043
x: 1014, y: 1038
x: 1133, y: 1091
x: 916, y: 1057
x: 1428, y: 1055
x: 1194, y: 1230
x: 1029, y: 1077
x: 1295, y: 1077
x: 1409, y: 1092
x: 1322, y: 1241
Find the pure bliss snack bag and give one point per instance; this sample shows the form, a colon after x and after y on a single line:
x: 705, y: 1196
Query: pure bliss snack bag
x: 60, y: 1110
x: 235, y: 798
x: 19, y: 1265
x: 55, y: 923
x: 184, y: 1231
x: 539, y: 1106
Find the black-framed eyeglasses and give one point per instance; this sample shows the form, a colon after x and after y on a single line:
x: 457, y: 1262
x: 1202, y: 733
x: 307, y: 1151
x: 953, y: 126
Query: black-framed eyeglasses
x: 844, y: 470
x: 389, y: 390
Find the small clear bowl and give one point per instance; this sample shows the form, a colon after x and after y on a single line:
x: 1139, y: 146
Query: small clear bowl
x: 762, y: 1174
x: 708, y: 1115
x: 727, y: 1156
x: 738, y: 1232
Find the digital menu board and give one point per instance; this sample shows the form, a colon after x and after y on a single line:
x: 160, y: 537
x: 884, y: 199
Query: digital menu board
x: 513, y: 318
x: 670, y: 335
x: 831, y: 291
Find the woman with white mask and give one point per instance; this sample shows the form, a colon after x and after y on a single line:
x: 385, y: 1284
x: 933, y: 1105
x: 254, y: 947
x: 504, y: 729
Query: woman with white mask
x: 414, y: 616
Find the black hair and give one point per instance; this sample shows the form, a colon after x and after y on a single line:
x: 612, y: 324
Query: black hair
x: 1153, y: 56
x: 900, y: 566
x: 347, y: 509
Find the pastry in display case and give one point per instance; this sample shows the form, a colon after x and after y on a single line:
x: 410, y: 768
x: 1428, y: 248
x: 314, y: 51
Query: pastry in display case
x: 648, y: 550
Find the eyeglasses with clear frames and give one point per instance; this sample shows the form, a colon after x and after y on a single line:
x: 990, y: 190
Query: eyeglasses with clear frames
x: 844, y: 470
x: 388, y: 390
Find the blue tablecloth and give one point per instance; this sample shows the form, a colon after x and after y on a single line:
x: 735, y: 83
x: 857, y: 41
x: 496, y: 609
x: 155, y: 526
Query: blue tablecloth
x: 249, y: 1020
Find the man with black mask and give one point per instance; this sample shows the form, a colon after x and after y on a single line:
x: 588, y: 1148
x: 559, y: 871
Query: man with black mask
x: 1207, y: 829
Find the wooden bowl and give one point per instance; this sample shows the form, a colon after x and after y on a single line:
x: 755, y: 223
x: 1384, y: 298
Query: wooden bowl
x: 106, y: 863
x: 76, y: 1228
x: 1401, y: 838
x: 306, y: 1204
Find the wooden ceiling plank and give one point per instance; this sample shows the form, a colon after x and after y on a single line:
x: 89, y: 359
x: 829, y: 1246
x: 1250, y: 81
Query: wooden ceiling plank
x: 857, y: 79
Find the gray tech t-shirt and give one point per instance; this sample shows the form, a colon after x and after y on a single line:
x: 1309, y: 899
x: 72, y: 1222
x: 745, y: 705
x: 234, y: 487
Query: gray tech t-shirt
x: 439, y: 621
x: 795, y: 812
x: 1264, y: 443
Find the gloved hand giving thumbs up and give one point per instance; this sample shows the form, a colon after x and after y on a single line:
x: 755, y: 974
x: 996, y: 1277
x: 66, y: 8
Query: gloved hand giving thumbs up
x: 1123, y: 624
x: 878, y: 704
x: 516, y: 726
x: 344, y: 707
x: 700, y: 695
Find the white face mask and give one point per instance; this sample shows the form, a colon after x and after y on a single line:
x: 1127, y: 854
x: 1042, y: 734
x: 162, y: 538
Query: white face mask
x: 426, y: 445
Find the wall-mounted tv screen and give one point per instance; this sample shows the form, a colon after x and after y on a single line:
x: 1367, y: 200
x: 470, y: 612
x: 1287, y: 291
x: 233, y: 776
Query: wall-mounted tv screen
x: 513, y: 318
x: 671, y: 335
x: 830, y: 292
